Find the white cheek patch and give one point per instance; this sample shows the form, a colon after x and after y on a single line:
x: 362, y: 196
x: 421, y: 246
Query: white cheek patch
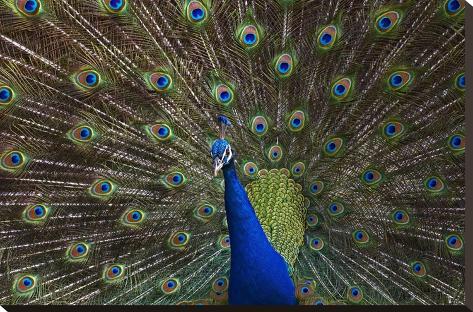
x: 220, y: 162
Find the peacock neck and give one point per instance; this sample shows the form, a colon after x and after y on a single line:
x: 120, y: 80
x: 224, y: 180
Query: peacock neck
x: 258, y: 274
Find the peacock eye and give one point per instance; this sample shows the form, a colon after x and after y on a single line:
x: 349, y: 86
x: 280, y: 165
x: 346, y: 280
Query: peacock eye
x: 259, y: 125
x: 250, y: 169
x: 454, y: 242
x: 434, y: 184
x: 170, y: 286
x: 29, y: 7
x: 196, y: 12
x: 36, y: 213
x: 113, y: 273
x: 392, y: 129
x: 224, y: 242
x: 360, y: 237
x: 115, y: 6
x: 102, y: 188
x: 220, y: 284
x: 386, y: 22
x: 298, y: 169
x: 333, y: 146
x: 161, y: 132
x: 341, y: 89
x: 25, y: 284
x: 327, y: 37
x: 400, y: 217
x: 316, y: 243
x: 284, y: 65
x: 6, y: 95
x: 88, y: 79
x: 204, y: 212
x: 179, y: 240
x: 275, y: 153
x: 223, y: 94
x: 175, y: 179
x: 160, y: 81
x: 78, y: 251
x: 400, y: 79
x: 454, y: 7
x: 82, y: 134
x: 355, y: 294
x: 249, y: 37
x: 296, y: 121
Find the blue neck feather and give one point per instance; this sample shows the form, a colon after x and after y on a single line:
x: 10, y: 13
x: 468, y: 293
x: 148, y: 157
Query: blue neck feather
x: 258, y: 274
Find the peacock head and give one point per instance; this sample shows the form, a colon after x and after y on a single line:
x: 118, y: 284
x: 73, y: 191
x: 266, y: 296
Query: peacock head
x: 221, y: 151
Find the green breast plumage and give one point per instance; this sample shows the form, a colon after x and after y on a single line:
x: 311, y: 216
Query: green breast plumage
x: 281, y: 209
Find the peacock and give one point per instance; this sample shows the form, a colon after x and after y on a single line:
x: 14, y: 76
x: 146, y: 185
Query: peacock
x: 202, y: 152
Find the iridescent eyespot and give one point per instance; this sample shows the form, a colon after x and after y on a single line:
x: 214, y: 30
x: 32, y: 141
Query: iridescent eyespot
x: 456, y: 143
x: 160, y: 131
x: 399, y: 80
x: 392, y: 129
x: 327, y: 37
x: 102, y: 188
x: 133, y: 217
x: 298, y: 169
x: 250, y: 169
x: 400, y: 217
x: 78, y: 251
x: 305, y: 290
x: 454, y: 242
x: 459, y: 82
x: 223, y: 94
x: 259, y: 125
x: 36, y: 213
x: 355, y: 294
x: 318, y: 301
x: 204, y: 212
x: 341, y: 88
x: 13, y: 160
x: 316, y: 187
x: 175, y: 180
x: 179, y: 240
x: 284, y: 66
x: 224, y: 241
x: 312, y: 220
x: 114, y: 6
x: 29, y: 7
x: 434, y: 184
x: 6, y: 95
x: 220, y: 284
x: 418, y: 269
x: 160, y: 81
x: 387, y: 21
x: 336, y: 209
x: 170, y: 286
x: 219, y: 297
x: 454, y: 7
x: 24, y: 284
x: 371, y: 177
x: 88, y: 79
x: 82, y: 134
x: 113, y: 273
x: 296, y: 121
x: 249, y: 37
x: 360, y: 237
x: 275, y: 153
x: 196, y: 12
x: 333, y: 146
x: 316, y: 244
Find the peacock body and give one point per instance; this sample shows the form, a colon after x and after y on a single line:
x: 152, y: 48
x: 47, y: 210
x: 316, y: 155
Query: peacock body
x: 336, y: 167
